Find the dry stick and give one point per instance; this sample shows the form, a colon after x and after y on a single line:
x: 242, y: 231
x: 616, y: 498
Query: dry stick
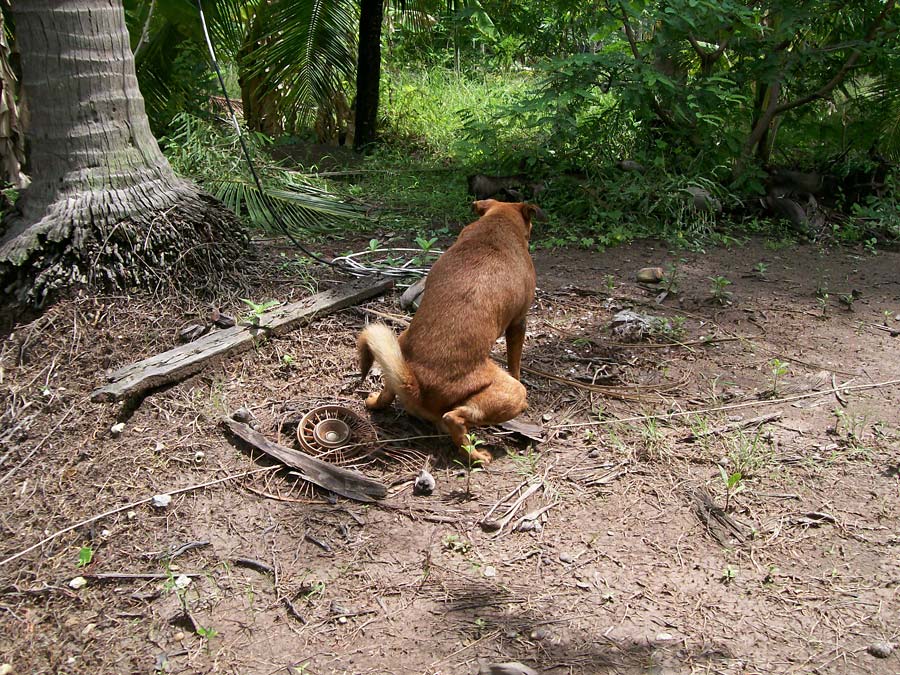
x: 111, y: 512
x: 733, y: 426
x: 37, y: 447
x: 734, y: 406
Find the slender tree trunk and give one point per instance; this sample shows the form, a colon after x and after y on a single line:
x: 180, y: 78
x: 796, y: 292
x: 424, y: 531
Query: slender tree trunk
x: 368, y: 73
x: 104, y: 207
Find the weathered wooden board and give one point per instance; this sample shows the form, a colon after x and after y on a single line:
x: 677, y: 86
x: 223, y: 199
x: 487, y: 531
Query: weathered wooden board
x: 344, y: 482
x: 185, y: 360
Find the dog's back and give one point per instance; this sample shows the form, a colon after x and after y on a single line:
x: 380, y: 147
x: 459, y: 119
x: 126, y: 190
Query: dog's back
x: 476, y: 289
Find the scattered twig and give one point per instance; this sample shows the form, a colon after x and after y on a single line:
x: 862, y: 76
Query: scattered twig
x: 147, y: 500
x: 324, y: 545
x: 732, y: 426
x: 837, y: 394
x: 174, y: 551
x: 733, y: 406
x: 253, y: 564
x: 106, y: 576
x: 39, y: 445
x: 534, y: 515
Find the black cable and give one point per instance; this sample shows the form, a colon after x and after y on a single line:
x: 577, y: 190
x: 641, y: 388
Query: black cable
x: 277, y: 218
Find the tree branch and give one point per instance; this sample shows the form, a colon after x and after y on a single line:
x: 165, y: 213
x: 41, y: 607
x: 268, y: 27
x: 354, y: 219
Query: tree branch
x: 842, y: 72
x: 145, y: 32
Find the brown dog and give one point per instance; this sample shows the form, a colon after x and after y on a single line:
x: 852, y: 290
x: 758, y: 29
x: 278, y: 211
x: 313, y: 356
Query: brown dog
x: 479, y: 289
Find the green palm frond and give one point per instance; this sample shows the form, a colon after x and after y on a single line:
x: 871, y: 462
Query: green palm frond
x: 304, y: 50
x: 301, y: 211
x: 211, y: 156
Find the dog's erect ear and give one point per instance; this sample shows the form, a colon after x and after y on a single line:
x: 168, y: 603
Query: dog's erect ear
x: 532, y: 212
x: 481, y: 206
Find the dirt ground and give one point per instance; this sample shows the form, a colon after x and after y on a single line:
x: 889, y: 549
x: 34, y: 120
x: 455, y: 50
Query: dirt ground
x: 633, y: 565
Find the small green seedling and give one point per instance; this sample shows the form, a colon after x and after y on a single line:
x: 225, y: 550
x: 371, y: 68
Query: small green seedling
x: 888, y: 317
x: 208, y: 633
x: 823, y: 302
x: 779, y: 368
x: 670, y: 279
x: 374, y: 244
x: 287, y: 359
x: 718, y: 292
x: 729, y: 574
x: 426, y: 244
x: 473, y: 464
x: 760, y: 270
x: 732, y: 484
x: 456, y: 544
x: 257, y: 310
x: 847, y: 299
x: 870, y: 245
x: 609, y: 281
x: 85, y: 555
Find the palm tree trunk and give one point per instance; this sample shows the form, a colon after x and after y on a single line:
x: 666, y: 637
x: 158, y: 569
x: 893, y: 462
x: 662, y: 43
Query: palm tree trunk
x: 104, y: 206
x: 368, y: 73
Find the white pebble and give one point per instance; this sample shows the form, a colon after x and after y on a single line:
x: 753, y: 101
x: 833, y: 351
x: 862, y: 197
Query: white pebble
x: 78, y: 582
x: 161, y: 501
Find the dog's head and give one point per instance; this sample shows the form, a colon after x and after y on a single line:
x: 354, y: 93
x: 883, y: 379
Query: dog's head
x: 526, y: 211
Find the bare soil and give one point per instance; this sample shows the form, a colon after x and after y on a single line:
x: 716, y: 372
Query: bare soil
x: 636, y: 565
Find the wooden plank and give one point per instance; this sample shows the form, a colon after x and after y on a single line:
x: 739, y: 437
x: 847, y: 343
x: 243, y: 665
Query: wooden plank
x: 185, y: 360
x: 344, y: 482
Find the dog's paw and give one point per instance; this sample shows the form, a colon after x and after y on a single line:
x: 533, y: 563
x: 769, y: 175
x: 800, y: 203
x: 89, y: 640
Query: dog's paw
x: 483, y: 457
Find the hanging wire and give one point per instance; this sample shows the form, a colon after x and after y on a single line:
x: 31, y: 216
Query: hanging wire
x: 348, y: 264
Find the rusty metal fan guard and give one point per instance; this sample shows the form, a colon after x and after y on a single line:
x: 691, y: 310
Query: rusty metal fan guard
x: 337, y: 435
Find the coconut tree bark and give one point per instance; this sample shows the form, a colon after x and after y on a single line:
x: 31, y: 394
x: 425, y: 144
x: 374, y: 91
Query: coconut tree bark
x: 104, y: 207
x: 368, y: 73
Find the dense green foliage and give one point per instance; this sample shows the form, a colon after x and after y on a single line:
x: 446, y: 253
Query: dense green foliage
x: 626, y: 110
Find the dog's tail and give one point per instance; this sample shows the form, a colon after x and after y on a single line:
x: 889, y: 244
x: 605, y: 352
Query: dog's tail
x: 378, y: 344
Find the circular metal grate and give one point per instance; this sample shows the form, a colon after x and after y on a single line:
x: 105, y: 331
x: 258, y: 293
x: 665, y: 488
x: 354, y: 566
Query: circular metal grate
x: 336, y: 434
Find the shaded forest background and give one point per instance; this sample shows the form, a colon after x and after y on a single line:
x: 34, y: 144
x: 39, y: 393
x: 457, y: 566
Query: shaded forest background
x: 692, y: 120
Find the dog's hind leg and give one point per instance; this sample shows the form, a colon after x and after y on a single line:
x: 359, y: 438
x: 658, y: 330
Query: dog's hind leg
x: 380, y: 401
x: 503, y: 400
x: 515, y: 339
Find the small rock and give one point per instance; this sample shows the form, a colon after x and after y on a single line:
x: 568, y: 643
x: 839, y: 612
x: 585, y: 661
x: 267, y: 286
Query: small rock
x: 159, y: 447
x: 881, y: 650
x: 594, y: 454
x: 179, y: 636
x: 663, y: 637
x: 88, y: 628
x: 116, y: 429
x: 508, y: 668
x: 242, y: 415
x: 105, y: 533
x: 539, y: 634
x: 198, y: 456
x: 162, y: 501
x: 566, y: 558
x: 221, y: 319
x: 131, y: 515
x: 649, y: 275
x: 546, y: 417
x: 182, y: 581
x: 489, y: 571
x: 78, y: 582
x: 583, y: 585
x: 424, y: 484
x: 6, y: 669
x: 490, y: 525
